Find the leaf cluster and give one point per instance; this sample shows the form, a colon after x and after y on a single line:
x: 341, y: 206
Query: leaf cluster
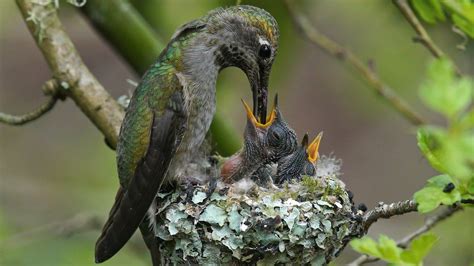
x: 461, y: 13
x: 387, y: 250
x: 450, y: 149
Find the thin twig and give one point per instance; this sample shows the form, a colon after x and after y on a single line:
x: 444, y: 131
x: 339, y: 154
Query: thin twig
x: 429, y: 223
x: 50, y: 89
x: 67, y: 66
x: 340, y: 52
x: 422, y: 35
x: 18, y: 120
x: 404, y: 242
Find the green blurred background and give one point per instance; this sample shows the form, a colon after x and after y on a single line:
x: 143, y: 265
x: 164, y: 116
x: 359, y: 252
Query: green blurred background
x: 58, y: 167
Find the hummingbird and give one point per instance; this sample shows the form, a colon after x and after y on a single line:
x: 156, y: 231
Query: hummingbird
x: 264, y: 143
x: 300, y: 162
x: 172, y: 108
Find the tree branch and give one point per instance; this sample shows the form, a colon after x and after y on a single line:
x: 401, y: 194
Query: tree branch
x: 386, y: 211
x: 404, y: 242
x: 429, y: 223
x: 69, y: 70
x: 51, y: 89
x: 422, y: 35
x: 340, y: 52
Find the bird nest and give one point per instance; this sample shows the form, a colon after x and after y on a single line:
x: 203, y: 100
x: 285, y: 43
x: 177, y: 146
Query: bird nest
x: 305, y: 221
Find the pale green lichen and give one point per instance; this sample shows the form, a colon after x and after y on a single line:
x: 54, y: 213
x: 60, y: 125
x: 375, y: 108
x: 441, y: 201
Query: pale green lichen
x: 257, y: 228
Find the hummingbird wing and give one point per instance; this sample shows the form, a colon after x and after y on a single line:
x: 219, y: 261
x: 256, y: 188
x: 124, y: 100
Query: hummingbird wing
x: 164, y: 112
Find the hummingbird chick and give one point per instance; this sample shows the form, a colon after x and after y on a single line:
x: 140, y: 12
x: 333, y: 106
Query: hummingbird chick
x: 264, y: 143
x: 299, y: 163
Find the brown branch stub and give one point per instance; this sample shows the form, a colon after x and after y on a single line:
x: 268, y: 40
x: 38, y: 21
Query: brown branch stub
x: 386, y: 211
x: 68, y: 68
x: 18, y: 120
x: 50, y: 88
x: 404, y: 242
x: 340, y: 52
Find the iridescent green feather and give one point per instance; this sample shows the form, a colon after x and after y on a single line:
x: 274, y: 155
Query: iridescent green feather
x: 151, y: 96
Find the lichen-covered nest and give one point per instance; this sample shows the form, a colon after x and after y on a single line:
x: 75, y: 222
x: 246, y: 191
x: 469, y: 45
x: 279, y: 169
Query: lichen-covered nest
x: 307, y: 221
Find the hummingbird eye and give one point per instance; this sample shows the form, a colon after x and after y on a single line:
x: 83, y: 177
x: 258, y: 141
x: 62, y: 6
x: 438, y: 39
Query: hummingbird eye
x: 265, y: 51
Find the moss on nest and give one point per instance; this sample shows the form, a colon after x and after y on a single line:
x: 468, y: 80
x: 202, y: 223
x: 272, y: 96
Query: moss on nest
x: 302, y: 222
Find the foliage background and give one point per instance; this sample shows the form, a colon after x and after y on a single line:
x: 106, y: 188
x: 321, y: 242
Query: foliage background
x: 58, y: 166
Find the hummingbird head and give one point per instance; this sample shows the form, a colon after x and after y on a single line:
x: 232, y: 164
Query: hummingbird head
x: 247, y: 38
x: 300, y: 162
x: 281, y: 138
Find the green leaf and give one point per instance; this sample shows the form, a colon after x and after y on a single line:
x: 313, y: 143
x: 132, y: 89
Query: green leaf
x: 440, y: 181
x: 428, y: 199
x: 467, y: 120
x: 448, y: 152
x: 428, y: 144
x: 464, y: 25
x: 385, y: 249
x: 388, y: 249
x: 431, y: 196
x: 443, y: 92
x: 366, y: 245
x: 457, y: 155
x: 470, y: 187
x: 430, y: 11
x: 419, y: 248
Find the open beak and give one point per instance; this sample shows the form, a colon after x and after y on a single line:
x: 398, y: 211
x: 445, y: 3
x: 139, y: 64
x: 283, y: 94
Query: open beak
x: 258, y: 123
x: 313, y: 148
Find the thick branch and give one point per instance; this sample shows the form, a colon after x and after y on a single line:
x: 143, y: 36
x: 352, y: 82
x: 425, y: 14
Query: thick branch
x: 340, y: 52
x: 69, y: 70
x: 404, y: 242
x: 386, y: 211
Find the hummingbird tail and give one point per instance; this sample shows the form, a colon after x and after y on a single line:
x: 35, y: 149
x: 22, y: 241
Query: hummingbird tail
x: 132, y: 203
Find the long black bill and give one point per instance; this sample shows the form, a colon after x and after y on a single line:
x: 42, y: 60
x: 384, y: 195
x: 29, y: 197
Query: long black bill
x: 260, y: 99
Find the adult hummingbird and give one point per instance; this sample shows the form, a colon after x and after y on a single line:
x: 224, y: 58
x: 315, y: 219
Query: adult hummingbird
x: 172, y: 108
x: 301, y: 162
